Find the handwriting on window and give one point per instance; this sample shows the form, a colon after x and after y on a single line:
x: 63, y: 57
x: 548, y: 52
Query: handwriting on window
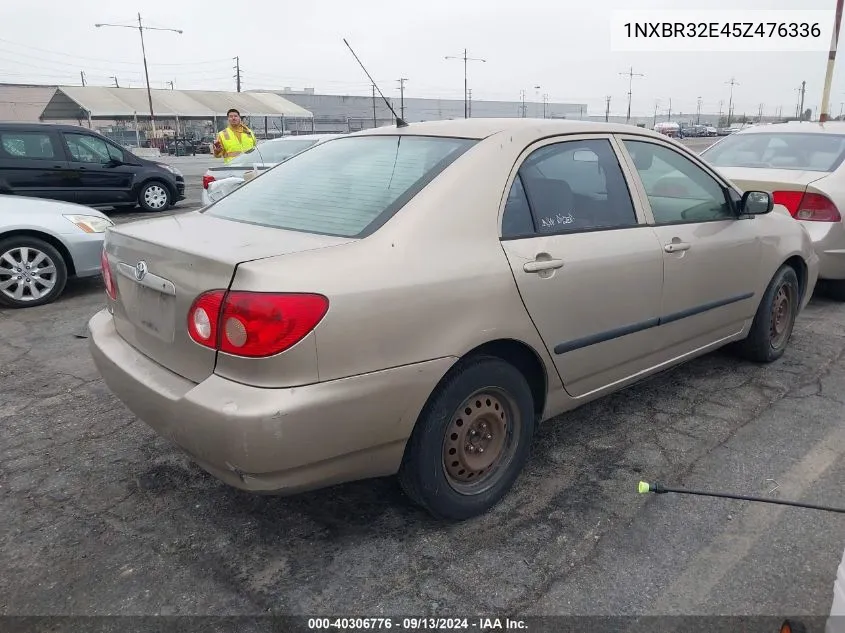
x: 551, y: 222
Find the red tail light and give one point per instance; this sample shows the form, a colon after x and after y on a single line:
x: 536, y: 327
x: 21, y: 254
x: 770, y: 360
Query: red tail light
x: 207, y: 180
x: 813, y: 207
x: 108, y: 280
x: 254, y: 324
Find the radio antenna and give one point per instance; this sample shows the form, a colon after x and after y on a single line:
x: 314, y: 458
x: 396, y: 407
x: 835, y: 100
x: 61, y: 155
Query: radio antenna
x: 400, y: 122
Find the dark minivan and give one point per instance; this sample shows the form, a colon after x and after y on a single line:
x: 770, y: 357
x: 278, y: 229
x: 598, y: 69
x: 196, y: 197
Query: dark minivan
x: 75, y: 164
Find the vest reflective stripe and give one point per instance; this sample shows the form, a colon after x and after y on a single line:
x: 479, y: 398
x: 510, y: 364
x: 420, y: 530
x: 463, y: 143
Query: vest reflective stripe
x: 232, y: 146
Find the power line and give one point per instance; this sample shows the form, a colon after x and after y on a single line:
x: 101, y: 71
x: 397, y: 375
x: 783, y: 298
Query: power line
x: 100, y: 59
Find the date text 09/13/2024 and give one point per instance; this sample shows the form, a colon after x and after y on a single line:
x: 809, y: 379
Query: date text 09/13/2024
x: 416, y: 624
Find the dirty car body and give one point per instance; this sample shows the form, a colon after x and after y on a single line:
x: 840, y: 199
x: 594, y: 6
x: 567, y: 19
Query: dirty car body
x: 415, y: 300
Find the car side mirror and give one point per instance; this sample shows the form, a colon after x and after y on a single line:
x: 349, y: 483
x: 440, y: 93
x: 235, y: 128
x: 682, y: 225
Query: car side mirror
x: 114, y: 162
x: 756, y: 203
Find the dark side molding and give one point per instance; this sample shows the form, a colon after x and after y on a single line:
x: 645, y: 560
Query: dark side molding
x: 609, y: 335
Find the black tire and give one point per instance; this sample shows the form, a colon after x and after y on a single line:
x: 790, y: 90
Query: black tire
x: 424, y: 474
x: 769, y: 335
x: 10, y: 247
x: 155, y: 196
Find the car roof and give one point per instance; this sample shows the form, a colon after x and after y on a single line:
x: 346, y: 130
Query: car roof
x: 797, y: 127
x: 482, y: 128
x: 17, y: 125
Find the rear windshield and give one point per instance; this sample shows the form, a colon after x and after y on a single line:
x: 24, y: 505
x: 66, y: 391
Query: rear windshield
x: 273, y: 151
x: 804, y: 152
x: 346, y: 187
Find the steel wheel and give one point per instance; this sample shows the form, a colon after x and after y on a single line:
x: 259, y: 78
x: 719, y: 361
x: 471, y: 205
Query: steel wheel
x: 155, y: 197
x: 479, y: 442
x: 783, y: 315
x: 27, y: 274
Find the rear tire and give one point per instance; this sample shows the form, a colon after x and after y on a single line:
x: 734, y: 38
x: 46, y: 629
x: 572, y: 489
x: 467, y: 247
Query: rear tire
x: 155, y: 196
x: 775, y: 319
x: 484, y: 406
x: 40, y: 283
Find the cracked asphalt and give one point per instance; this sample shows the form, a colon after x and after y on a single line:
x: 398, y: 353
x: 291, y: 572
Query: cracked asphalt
x: 100, y: 516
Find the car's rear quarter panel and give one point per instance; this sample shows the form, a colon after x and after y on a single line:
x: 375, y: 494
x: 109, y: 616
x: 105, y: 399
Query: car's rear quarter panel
x: 432, y: 283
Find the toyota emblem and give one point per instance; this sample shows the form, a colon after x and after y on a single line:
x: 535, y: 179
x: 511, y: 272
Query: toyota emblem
x: 140, y: 270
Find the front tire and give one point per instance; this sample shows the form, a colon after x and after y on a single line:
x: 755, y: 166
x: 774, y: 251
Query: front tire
x: 155, y: 196
x: 471, y: 440
x: 775, y: 319
x: 32, y: 272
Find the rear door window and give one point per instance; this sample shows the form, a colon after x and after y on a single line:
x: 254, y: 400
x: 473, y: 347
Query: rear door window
x: 28, y: 145
x: 347, y: 187
x: 577, y: 186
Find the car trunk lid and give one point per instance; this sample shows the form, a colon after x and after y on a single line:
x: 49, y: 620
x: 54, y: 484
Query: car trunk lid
x: 162, y: 265
x: 760, y: 179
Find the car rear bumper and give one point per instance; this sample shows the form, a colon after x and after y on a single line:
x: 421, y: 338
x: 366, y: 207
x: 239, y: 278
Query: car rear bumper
x: 829, y: 243
x: 279, y: 441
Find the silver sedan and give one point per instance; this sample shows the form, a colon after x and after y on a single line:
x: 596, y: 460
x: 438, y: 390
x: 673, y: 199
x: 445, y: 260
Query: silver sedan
x: 43, y: 243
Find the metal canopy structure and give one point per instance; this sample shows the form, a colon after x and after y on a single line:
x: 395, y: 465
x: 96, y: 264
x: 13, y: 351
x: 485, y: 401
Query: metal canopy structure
x: 96, y: 102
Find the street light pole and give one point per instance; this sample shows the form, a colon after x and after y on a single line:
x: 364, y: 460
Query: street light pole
x: 466, y: 84
x: 698, y: 113
x: 141, y: 28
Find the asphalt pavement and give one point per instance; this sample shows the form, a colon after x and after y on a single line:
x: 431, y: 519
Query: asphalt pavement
x: 100, y: 516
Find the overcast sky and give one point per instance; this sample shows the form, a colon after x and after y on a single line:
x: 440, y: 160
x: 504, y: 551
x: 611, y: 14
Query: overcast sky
x: 562, y: 46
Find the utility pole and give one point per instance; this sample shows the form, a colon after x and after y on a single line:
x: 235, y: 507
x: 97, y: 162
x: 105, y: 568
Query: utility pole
x: 82, y: 76
x: 116, y: 85
x: 607, y: 109
x: 545, y: 102
x: 466, y: 59
x: 721, y: 103
x: 469, y: 101
x: 522, y: 96
x: 733, y: 83
x: 669, y: 117
x: 656, y: 104
x: 831, y: 60
x: 374, y: 106
x: 698, y: 113
x: 402, y: 81
x: 760, y: 114
x: 801, y: 106
x: 172, y: 85
x: 141, y: 28
x: 630, y: 75
x: 237, y: 73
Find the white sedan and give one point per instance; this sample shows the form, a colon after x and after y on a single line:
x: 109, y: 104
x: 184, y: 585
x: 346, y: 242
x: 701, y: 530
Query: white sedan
x: 803, y: 165
x: 219, y: 181
x: 42, y: 244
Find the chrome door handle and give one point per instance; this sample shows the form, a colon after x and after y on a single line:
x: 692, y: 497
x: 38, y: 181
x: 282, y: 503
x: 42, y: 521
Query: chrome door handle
x: 675, y: 247
x: 540, y: 265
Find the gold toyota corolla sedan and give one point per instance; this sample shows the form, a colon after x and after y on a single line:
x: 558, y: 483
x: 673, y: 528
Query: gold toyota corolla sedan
x: 415, y: 300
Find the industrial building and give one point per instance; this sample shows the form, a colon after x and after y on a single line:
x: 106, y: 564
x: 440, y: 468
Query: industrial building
x: 123, y: 113
x: 349, y: 113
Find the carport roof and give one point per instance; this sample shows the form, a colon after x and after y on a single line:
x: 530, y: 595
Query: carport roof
x: 77, y: 102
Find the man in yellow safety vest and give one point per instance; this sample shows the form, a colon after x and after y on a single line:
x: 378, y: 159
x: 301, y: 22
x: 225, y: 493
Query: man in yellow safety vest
x: 235, y: 139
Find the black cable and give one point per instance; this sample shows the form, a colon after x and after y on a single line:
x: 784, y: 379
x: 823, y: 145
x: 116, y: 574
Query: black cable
x: 661, y: 489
